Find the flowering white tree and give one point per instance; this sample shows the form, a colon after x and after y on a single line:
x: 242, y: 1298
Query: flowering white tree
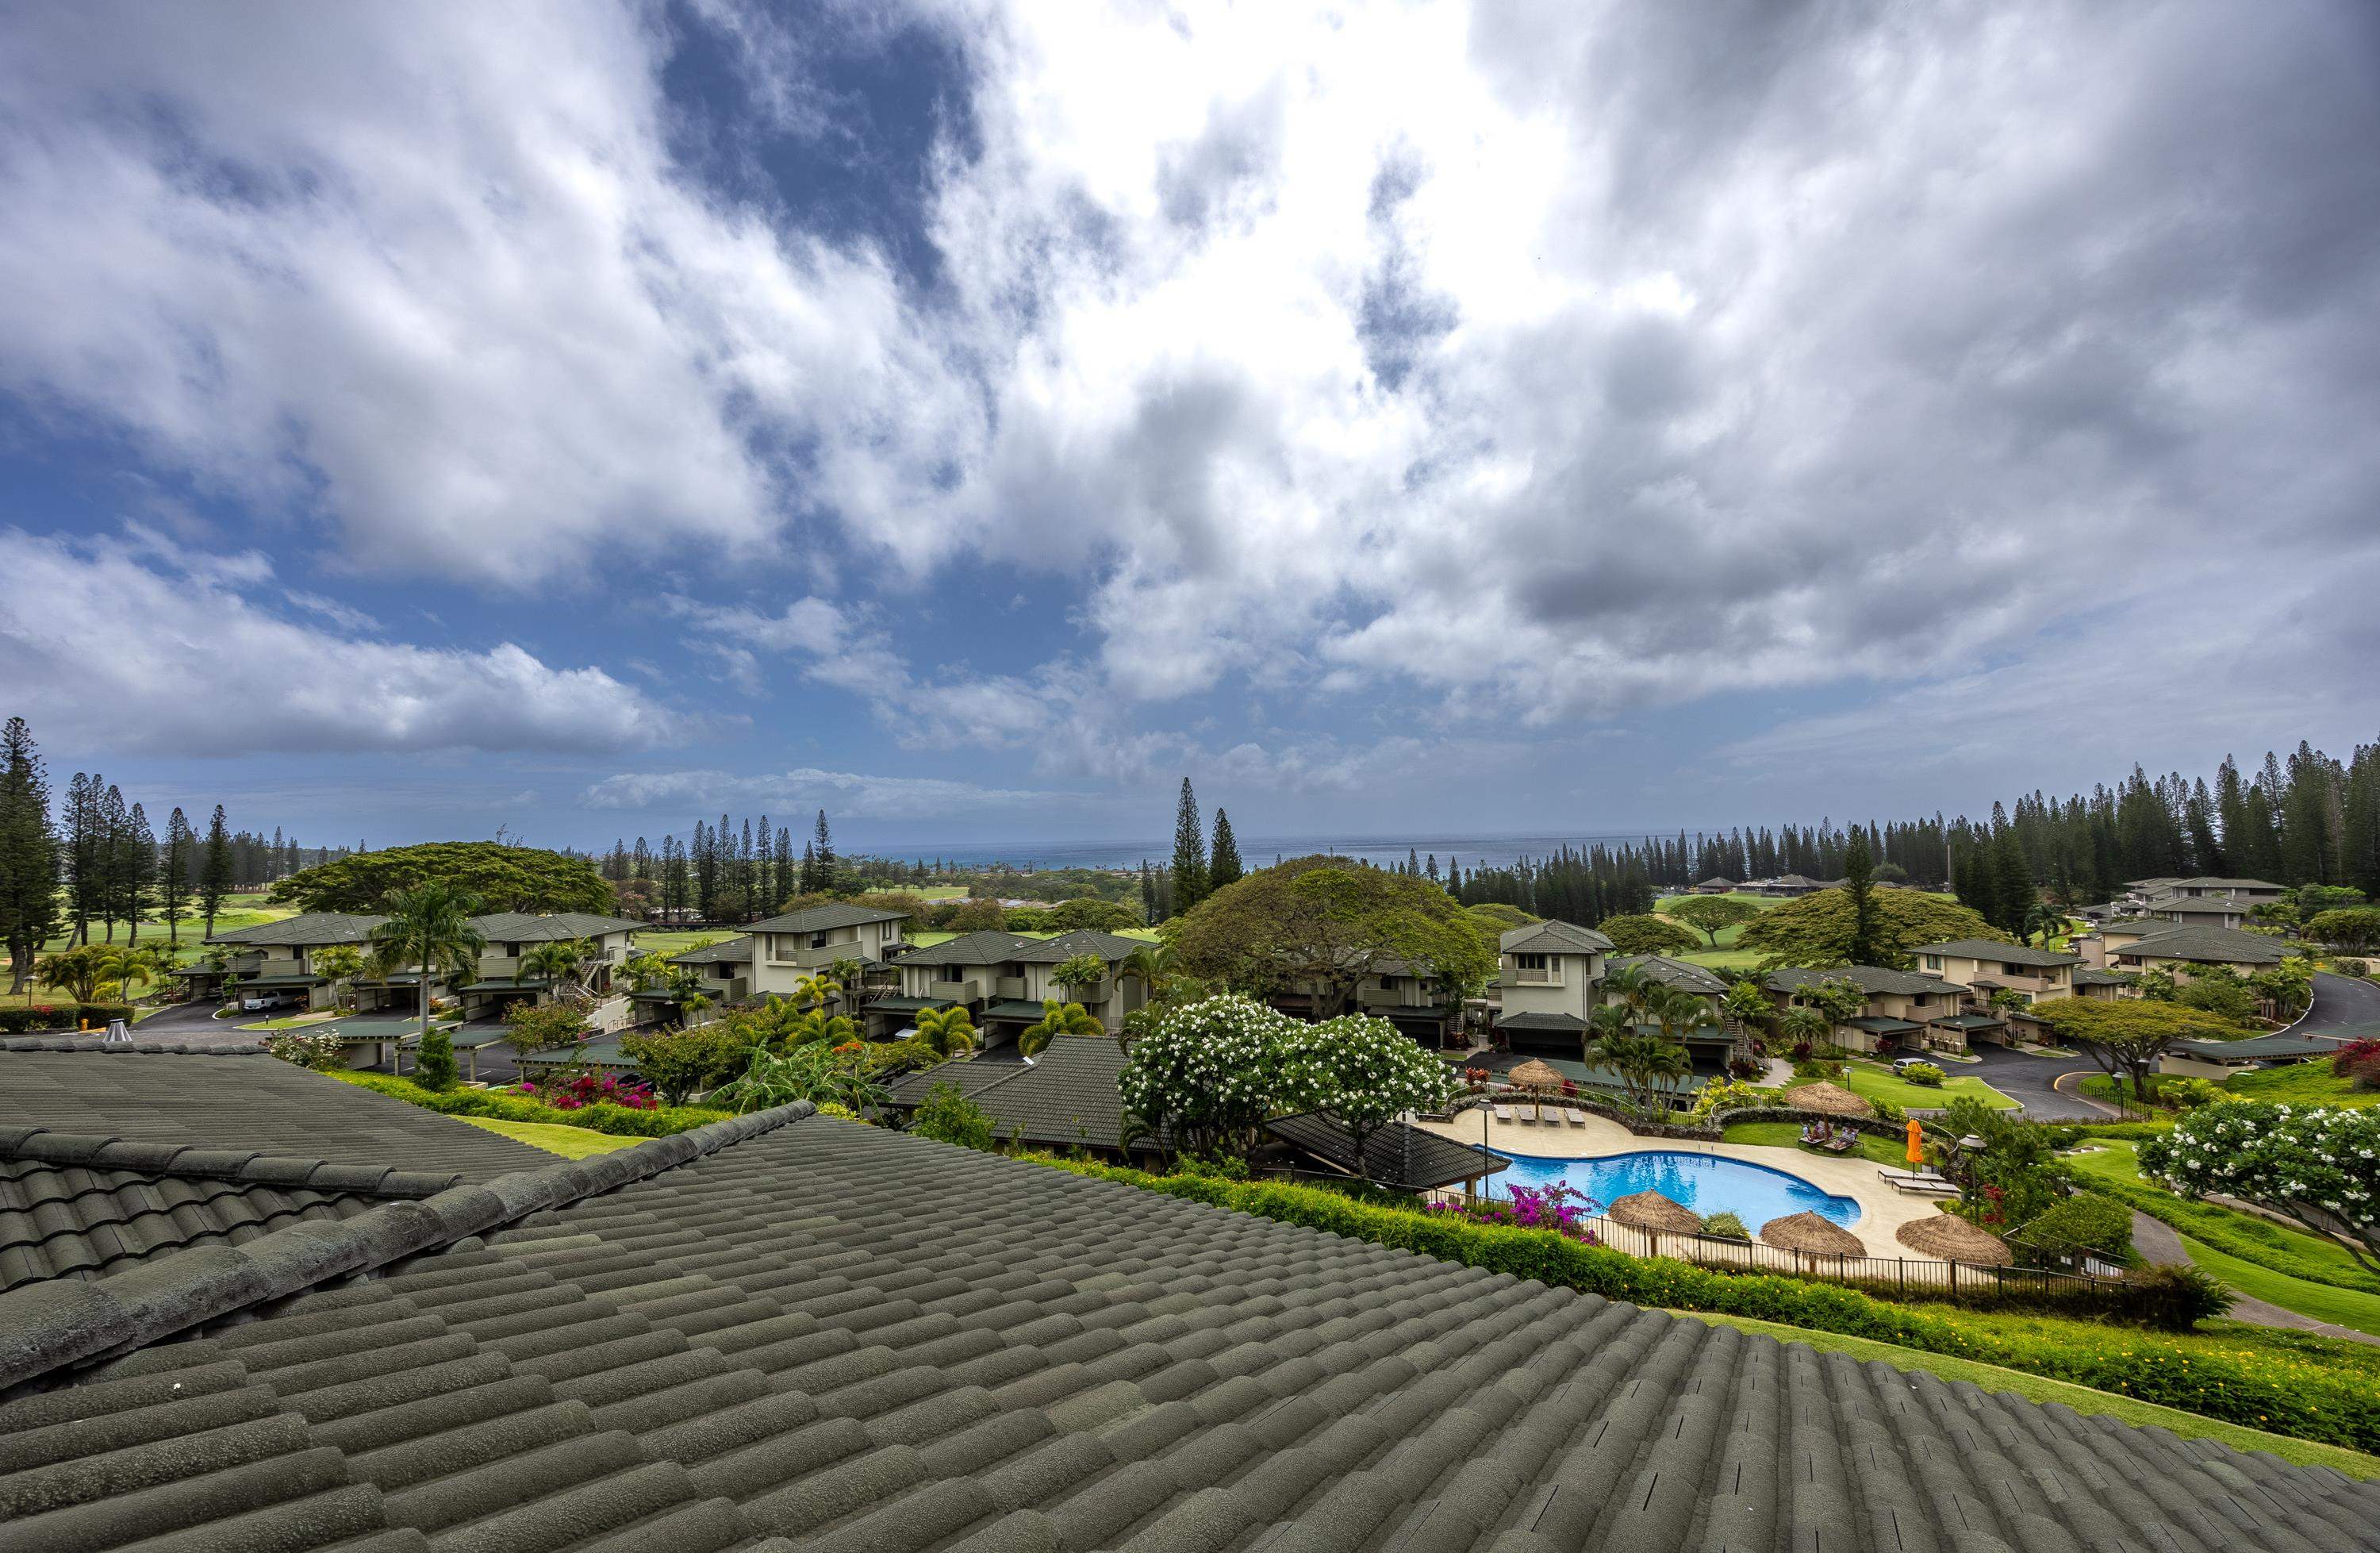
x: 1203, y: 1073
x: 1363, y: 1071
x: 2318, y: 1165
x: 1210, y: 1073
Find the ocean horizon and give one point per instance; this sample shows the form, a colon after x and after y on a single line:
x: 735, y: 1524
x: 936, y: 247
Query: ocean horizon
x: 1472, y: 852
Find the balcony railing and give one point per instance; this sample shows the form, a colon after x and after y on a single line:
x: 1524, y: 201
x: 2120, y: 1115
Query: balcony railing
x: 955, y: 992
x: 1539, y: 977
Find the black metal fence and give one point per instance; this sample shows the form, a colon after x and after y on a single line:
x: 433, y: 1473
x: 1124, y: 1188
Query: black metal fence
x: 1908, y: 1274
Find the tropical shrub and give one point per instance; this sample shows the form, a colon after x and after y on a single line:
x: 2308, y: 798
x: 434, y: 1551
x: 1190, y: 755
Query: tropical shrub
x: 1560, y: 1208
x: 2081, y: 1223
x: 535, y: 1027
x: 1726, y: 1226
x: 509, y: 1105
x: 51, y: 1016
x: 679, y: 1063
x: 948, y: 1116
x: 1923, y: 1074
x: 813, y: 1070
x: 317, y: 1049
x: 1204, y: 1071
x: 576, y: 1089
x: 433, y: 1065
x: 1726, y: 1095
x: 2359, y: 1062
x: 2182, y: 1092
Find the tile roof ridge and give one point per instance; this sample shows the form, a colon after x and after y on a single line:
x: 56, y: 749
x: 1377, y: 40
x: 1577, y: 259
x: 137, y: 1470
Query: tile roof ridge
x: 50, y: 1325
x: 93, y: 1043
x: 93, y: 1151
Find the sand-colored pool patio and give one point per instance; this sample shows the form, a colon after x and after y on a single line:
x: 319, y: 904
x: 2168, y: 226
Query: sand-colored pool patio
x: 1882, y: 1209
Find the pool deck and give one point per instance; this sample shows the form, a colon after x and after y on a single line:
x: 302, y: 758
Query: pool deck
x: 1882, y: 1210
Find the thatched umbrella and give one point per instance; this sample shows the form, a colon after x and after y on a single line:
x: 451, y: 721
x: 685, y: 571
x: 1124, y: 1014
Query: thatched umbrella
x: 1538, y: 1076
x: 1954, y: 1240
x: 1650, y: 1210
x: 1828, y: 1098
x: 1807, y: 1231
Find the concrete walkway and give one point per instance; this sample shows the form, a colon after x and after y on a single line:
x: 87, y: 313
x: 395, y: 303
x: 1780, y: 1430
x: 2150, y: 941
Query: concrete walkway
x: 2156, y: 1241
x: 1882, y: 1210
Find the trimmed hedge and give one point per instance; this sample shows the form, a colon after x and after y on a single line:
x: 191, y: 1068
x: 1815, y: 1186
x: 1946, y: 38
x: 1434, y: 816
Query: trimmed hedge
x: 19, y: 1022
x: 2234, y: 1381
x: 618, y: 1120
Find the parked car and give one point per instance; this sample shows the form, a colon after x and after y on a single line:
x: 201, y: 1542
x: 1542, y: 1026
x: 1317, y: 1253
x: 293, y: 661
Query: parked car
x: 256, y: 1001
x: 1902, y: 1065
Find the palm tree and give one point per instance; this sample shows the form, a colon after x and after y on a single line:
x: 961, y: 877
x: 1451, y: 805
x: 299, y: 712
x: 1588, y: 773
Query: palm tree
x: 815, y: 991
x: 138, y: 962
x: 1057, y: 1018
x: 819, y: 1025
x: 558, y: 961
x: 1077, y: 971
x: 1610, y: 1020
x: 1645, y: 1063
x: 342, y: 964
x: 1629, y: 983
x: 1804, y: 1023
x: 2045, y: 919
x: 428, y: 927
x: 946, y: 1032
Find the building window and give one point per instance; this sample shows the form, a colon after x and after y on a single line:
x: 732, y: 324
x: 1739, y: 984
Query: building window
x: 1933, y: 962
x: 1530, y: 961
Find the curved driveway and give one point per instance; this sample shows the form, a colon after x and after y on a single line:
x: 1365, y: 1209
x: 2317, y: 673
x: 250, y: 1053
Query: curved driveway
x: 2342, y: 1007
x: 2031, y: 1081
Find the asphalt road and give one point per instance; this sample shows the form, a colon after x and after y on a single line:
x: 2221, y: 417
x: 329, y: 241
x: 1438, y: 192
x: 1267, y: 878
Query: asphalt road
x: 2028, y: 1080
x: 2342, y: 1006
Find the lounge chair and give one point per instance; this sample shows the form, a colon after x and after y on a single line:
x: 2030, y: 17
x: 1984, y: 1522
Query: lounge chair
x: 1842, y: 1143
x: 1501, y: 1113
x: 1576, y: 1119
x: 1927, y: 1184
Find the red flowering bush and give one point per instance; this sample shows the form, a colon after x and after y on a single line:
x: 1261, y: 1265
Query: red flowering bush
x: 2359, y: 1060
x: 570, y: 1091
x: 1559, y: 1208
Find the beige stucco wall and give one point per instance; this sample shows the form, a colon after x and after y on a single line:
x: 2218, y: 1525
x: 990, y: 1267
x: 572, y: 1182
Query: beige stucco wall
x: 1572, y: 992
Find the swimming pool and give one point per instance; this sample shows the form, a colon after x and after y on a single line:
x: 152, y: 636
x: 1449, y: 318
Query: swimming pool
x: 1704, y: 1183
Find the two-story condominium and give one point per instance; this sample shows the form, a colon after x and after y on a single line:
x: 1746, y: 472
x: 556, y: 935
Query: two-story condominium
x: 2202, y: 910
x: 509, y: 935
x: 2251, y: 890
x: 1678, y: 975
x: 1003, y: 978
x: 2182, y: 951
x: 279, y: 956
x: 1984, y: 967
x: 1549, y: 977
x: 1901, y: 1005
x: 772, y: 957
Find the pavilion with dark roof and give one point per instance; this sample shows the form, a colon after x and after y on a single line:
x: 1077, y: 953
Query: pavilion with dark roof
x: 242, y: 1325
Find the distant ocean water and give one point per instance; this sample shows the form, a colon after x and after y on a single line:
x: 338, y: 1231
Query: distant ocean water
x: 1493, y: 851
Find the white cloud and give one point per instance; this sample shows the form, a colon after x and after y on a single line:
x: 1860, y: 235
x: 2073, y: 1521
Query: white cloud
x: 846, y: 793
x: 104, y: 651
x: 1542, y: 362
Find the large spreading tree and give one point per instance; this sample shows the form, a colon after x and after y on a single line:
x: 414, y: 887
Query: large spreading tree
x: 2126, y: 1036
x: 1648, y: 934
x: 1710, y: 915
x: 506, y: 878
x: 1324, y: 924
x: 1823, y: 928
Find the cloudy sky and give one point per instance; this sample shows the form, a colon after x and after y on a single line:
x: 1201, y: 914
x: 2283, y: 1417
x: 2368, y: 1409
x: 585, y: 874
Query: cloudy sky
x: 973, y: 417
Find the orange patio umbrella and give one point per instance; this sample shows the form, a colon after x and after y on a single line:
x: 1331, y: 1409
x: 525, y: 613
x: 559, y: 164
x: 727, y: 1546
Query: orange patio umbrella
x: 1916, y: 1144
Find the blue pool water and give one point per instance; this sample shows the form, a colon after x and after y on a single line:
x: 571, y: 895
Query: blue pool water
x: 1700, y: 1181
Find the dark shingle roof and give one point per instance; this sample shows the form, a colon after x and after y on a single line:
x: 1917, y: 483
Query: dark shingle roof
x: 820, y: 919
x: 304, y: 929
x: 830, y: 1333
x: 991, y: 947
x: 1681, y: 974
x: 1870, y: 979
x: 254, y: 1103
x: 540, y: 927
x: 1395, y: 1154
x: 1553, y: 937
x: 2279, y: 1044
x: 1066, y: 1096
x: 1556, y: 1024
x: 2207, y: 944
x: 2104, y: 978
x: 2006, y: 954
x: 727, y: 951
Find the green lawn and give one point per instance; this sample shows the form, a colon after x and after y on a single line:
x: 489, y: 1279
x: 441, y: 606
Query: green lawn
x: 1785, y: 1135
x: 1874, y: 1082
x: 2300, y: 1083
x: 2082, y: 1399
x: 649, y: 941
x: 571, y: 1142
x: 2344, y: 1307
